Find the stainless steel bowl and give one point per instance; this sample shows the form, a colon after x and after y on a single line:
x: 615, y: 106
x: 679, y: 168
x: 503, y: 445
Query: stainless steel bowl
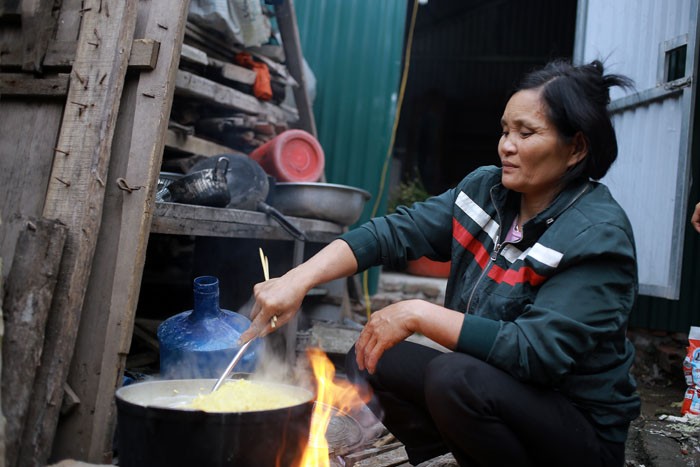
x: 341, y: 204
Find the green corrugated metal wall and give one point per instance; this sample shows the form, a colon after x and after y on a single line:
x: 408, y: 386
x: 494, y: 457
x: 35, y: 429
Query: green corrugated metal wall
x: 354, y: 48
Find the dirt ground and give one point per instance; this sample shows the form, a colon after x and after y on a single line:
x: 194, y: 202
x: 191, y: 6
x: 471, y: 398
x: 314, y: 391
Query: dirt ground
x: 660, y: 437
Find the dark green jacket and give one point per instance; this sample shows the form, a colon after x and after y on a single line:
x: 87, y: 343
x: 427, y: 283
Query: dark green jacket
x: 551, y: 309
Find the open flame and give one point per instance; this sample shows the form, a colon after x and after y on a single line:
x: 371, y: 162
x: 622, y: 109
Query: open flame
x: 331, y: 393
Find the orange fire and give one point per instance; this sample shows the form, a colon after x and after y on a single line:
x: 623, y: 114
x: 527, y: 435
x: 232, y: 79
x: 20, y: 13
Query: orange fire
x: 331, y: 394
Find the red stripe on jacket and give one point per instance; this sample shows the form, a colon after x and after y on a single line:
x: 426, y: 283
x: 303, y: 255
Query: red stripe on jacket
x: 512, y: 277
x: 470, y: 243
x: 481, y: 255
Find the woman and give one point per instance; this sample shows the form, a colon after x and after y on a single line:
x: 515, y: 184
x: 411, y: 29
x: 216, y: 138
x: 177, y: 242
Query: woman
x: 542, y: 281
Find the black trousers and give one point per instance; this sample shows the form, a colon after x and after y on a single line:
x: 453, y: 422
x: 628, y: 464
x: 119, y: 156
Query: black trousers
x: 436, y: 402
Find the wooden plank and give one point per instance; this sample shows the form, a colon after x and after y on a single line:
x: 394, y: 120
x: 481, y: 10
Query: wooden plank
x: 353, y: 458
x: 69, y: 20
x: 75, y: 196
x: 194, y: 55
x: 30, y: 287
x: 391, y: 458
x: 183, y: 219
x: 194, y: 145
x: 287, y: 21
x: 22, y: 84
x: 144, y: 54
x: 38, y: 25
x: 60, y: 54
x: 27, y: 141
x: 3, y: 421
x: 233, y: 72
x: 111, y: 299
x: 189, y: 84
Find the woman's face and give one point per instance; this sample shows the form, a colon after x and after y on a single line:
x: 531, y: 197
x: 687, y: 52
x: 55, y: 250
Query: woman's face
x: 533, y: 156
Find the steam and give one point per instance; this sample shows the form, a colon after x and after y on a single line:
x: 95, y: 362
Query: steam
x: 272, y: 367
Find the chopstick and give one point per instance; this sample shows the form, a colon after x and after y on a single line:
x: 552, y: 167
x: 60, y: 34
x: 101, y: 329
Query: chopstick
x: 266, y: 272
x: 265, y: 264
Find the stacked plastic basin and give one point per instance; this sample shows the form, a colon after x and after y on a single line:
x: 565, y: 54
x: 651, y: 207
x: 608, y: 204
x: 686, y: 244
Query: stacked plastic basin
x: 292, y: 156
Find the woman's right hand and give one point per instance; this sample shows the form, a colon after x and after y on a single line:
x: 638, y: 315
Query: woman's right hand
x: 282, y: 297
x: 276, y: 301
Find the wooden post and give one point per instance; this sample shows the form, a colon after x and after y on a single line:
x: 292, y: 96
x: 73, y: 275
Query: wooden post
x: 287, y: 21
x: 30, y: 287
x: 109, y: 310
x: 75, y: 196
x: 2, y: 332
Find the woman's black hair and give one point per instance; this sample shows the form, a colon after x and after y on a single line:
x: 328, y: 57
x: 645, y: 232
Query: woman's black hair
x: 576, y: 98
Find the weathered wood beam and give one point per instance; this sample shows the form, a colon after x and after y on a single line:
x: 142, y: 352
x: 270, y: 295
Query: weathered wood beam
x: 60, y: 55
x: 29, y: 291
x: 143, y: 56
x: 183, y: 219
x: 22, y: 84
x: 75, y: 197
x: 287, y: 21
x: 110, y: 303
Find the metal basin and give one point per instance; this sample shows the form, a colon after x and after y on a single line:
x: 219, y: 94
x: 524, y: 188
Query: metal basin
x: 341, y: 204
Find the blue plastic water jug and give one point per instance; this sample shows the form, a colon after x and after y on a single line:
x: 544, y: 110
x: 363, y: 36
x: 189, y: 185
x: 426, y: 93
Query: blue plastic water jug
x: 200, y: 343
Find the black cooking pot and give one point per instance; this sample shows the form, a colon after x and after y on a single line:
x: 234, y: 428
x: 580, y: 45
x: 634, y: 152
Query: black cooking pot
x: 151, y: 432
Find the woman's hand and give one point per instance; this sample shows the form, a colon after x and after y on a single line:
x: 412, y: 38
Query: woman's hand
x: 276, y: 301
x: 695, y: 220
x: 386, y: 328
x: 389, y: 326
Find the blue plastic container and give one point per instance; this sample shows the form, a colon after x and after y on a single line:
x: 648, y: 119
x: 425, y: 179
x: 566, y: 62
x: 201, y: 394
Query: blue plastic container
x: 200, y: 343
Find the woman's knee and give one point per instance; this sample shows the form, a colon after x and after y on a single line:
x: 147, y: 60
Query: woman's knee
x: 455, y: 382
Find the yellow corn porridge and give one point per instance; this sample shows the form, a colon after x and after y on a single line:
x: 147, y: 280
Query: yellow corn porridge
x: 245, y: 396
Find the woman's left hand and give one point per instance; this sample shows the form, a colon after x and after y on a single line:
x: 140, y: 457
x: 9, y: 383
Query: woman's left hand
x: 389, y: 326
x: 385, y: 328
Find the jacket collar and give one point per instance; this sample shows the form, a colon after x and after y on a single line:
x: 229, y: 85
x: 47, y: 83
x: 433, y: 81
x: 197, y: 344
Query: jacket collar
x: 507, y: 204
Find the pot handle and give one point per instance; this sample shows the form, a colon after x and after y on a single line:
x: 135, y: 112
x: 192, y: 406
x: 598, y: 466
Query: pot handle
x: 221, y: 168
x: 283, y: 221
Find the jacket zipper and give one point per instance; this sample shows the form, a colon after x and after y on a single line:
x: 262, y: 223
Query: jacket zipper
x: 492, y: 257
